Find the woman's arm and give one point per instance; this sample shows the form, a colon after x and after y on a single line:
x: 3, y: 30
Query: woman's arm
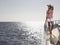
x: 46, y: 15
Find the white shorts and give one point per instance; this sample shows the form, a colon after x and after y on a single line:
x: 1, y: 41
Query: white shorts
x: 51, y: 19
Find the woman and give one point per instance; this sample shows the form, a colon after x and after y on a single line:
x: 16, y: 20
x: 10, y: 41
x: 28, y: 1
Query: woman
x: 49, y: 18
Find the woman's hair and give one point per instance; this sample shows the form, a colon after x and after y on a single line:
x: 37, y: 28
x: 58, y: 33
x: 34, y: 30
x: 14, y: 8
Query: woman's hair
x: 50, y: 7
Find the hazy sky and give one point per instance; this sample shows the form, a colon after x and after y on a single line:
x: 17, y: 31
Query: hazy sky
x: 27, y: 10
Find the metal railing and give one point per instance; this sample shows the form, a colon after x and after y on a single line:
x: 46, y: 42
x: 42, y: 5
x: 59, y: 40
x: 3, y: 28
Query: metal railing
x: 56, y: 21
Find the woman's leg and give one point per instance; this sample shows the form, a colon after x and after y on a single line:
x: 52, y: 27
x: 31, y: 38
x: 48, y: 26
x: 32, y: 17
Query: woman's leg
x: 49, y: 27
x: 52, y: 24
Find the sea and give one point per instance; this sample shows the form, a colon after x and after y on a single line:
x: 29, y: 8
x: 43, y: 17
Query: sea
x: 22, y: 33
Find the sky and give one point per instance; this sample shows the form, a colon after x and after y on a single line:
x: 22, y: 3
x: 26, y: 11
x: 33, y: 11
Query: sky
x: 27, y: 10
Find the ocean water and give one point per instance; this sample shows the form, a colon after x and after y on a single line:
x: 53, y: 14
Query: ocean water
x: 22, y: 33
